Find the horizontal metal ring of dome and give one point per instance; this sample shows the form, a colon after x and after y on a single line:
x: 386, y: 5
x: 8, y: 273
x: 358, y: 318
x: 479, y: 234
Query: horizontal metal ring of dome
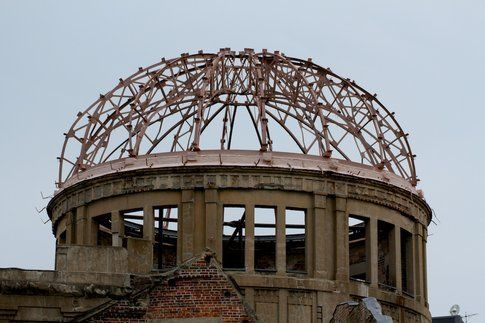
x: 237, y: 100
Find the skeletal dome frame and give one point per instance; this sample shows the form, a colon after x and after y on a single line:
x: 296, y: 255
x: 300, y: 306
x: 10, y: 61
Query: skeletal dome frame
x: 170, y: 106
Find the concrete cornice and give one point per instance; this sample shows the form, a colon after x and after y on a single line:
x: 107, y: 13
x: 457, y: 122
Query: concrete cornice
x: 238, y: 177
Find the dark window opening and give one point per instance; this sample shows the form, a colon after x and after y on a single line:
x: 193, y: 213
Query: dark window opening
x: 385, y: 279
x: 407, y: 262
x: 62, y: 238
x: 234, y: 238
x: 132, y: 224
x: 295, y: 240
x: 265, y: 239
x: 166, y: 237
x: 73, y: 239
x: 103, y: 230
x: 357, y: 248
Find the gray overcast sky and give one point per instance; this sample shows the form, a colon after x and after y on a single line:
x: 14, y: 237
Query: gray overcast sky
x: 425, y: 59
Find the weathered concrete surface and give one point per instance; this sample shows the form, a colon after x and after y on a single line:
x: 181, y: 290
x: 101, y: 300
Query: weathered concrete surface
x: 96, y: 259
x: 140, y: 256
x: 30, y: 282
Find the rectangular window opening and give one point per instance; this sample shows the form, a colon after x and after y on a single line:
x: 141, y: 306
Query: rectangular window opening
x: 407, y: 263
x: 385, y: 279
x: 234, y: 238
x: 103, y: 230
x: 73, y: 230
x: 295, y: 233
x: 132, y: 224
x: 357, y: 248
x: 265, y: 239
x: 166, y: 237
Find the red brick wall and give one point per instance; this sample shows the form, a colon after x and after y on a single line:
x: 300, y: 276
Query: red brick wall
x: 198, y: 288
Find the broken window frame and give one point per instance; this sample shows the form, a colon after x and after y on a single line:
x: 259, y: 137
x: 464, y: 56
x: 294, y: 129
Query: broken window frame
x: 360, y: 237
x: 104, y: 224
x: 259, y: 256
x: 407, y: 263
x: 384, y: 235
x: 132, y: 232
x: 239, y: 233
x: 158, y: 236
x: 295, y: 226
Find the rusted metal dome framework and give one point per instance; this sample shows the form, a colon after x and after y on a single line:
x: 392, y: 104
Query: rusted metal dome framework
x: 171, y: 106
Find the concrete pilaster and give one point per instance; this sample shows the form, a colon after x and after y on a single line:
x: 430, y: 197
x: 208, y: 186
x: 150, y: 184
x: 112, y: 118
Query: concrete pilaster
x: 341, y: 239
x: 282, y: 306
x: 81, y: 225
x: 280, y: 240
x: 199, y: 222
x: 310, y: 241
x: 92, y: 230
x: 319, y: 203
x: 425, y: 264
x: 249, y: 245
x: 117, y: 228
x: 329, y: 245
x: 180, y: 234
x: 71, y: 227
x: 212, y: 221
x: 371, y: 249
x: 418, y: 263
x: 188, y: 225
x: 148, y: 223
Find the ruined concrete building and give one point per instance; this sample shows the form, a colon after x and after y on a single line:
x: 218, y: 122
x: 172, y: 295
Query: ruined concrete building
x: 230, y: 187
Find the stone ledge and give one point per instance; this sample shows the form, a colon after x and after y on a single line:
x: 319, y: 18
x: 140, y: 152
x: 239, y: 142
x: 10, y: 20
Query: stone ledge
x: 62, y: 277
x: 38, y: 288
